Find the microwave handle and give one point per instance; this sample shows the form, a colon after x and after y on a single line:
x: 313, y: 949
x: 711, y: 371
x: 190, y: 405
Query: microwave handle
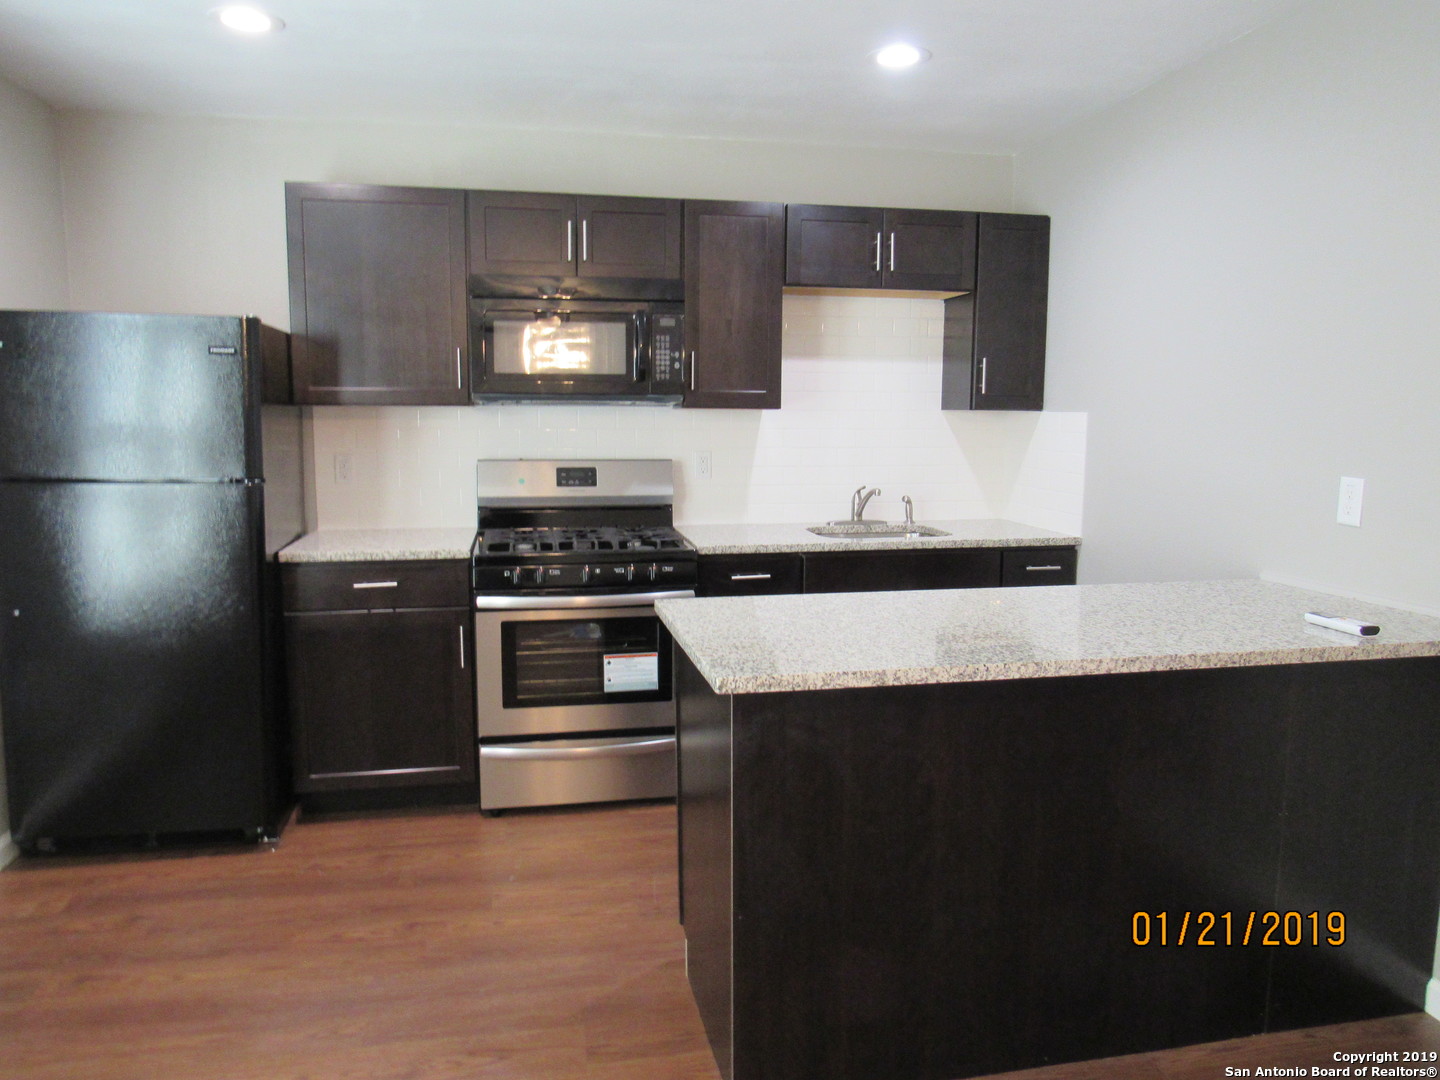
x: 638, y: 322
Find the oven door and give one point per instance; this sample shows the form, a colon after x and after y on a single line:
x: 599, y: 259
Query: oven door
x: 565, y: 349
x: 572, y: 666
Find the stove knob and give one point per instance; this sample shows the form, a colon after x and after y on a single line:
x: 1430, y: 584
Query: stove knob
x: 630, y: 572
x: 537, y: 575
x: 652, y: 572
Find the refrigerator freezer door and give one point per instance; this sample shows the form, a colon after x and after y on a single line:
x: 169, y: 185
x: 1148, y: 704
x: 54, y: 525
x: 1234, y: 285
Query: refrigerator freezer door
x: 131, y: 667
x: 127, y: 397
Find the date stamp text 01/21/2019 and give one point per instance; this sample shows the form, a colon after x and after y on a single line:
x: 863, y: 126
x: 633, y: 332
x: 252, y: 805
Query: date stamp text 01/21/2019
x: 1224, y: 928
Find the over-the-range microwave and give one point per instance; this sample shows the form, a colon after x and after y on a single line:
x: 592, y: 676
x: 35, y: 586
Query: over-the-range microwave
x: 576, y: 350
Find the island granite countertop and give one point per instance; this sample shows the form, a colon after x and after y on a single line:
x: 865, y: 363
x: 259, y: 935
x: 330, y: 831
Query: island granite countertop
x: 747, y: 645
x: 379, y: 545
x: 968, y: 533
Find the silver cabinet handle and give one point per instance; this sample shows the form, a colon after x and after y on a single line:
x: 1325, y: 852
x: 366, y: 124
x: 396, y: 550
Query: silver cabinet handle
x: 582, y: 600
x: 692, y: 369
x: 584, y: 239
x: 892, y: 252
x: 983, y: 366
x: 459, y: 381
x: 375, y: 585
x: 462, y: 648
x: 749, y: 577
x: 561, y: 753
x: 877, y: 252
x: 1044, y: 568
x: 570, y: 240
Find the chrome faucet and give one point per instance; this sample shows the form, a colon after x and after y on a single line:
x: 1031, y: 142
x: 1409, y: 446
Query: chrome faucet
x: 858, y: 501
x: 909, y: 510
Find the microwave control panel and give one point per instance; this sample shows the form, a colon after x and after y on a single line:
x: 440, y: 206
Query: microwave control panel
x: 667, y: 348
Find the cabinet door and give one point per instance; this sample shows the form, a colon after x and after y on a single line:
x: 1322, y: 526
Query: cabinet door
x: 734, y: 277
x: 930, y: 249
x: 837, y: 246
x: 1011, y: 287
x: 629, y: 238
x: 878, y: 571
x: 377, y: 294
x: 381, y: 698
x: 522, y: 234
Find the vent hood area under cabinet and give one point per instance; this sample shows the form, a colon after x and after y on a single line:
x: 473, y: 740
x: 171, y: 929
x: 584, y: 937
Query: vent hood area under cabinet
x: 381, y: 276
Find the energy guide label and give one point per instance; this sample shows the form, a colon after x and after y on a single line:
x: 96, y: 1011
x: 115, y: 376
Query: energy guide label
x: 626, y: 673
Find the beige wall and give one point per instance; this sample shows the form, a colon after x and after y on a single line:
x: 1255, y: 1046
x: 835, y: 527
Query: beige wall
x: 188, y: 215
x: 1245, y: 275
x: 32, y: 239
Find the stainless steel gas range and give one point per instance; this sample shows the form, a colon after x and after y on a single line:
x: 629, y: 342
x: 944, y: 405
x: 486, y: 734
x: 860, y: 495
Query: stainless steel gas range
x: 573, y: 668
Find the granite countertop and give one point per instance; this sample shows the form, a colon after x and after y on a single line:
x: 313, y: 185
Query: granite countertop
x: 975, y: 532
x: 745, y: 645
x: 379, y: 545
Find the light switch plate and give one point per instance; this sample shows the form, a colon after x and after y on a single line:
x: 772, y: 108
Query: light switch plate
x: 1352, y: 495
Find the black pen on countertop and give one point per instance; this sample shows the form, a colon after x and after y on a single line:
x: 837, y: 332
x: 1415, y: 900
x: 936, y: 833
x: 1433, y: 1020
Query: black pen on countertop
x: 1339, y: 622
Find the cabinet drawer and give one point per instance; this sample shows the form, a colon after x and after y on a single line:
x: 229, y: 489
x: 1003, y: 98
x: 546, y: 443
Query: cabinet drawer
x: 1038, y: 566
x: 355, y: 586
x: 750, y: 575
x: 906, y: 568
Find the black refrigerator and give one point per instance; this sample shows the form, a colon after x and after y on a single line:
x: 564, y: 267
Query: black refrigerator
x: 150, y: 469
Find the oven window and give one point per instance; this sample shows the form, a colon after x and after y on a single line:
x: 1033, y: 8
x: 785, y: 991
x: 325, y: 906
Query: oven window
x: 560, y: 346
x: 584, y: 661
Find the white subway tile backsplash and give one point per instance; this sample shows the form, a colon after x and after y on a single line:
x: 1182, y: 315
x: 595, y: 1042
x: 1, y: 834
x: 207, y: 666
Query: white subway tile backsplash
x: 861, y: 404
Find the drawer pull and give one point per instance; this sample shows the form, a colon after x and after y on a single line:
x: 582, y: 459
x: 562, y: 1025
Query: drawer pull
x: 749, y: 577
x: 375, y: 585
x: 1044, y: 568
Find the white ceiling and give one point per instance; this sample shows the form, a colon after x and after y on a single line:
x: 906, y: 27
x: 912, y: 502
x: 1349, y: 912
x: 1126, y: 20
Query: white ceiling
x: 1004, y: 72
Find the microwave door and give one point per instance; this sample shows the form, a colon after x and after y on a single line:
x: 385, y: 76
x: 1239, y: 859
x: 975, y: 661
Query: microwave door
x: 558, y: 352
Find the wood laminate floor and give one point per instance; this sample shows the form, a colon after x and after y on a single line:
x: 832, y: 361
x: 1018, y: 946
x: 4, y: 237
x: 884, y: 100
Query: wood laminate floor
x: 430, y: 946
x: 425, y: 946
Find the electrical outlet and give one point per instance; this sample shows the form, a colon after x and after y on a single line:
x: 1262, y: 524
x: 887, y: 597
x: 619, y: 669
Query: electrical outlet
x: 704, y: 467
x: 342, y: 468
x: 1352, y: 495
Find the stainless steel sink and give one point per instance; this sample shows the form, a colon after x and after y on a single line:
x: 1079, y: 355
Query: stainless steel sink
x: 873, y: 530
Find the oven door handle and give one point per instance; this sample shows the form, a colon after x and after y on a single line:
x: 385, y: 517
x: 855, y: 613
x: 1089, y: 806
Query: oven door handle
x: 582, y: 600
x: 560, y: 753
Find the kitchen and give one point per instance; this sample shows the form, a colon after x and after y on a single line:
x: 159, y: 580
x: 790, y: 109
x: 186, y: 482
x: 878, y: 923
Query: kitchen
x: 1228, y: 242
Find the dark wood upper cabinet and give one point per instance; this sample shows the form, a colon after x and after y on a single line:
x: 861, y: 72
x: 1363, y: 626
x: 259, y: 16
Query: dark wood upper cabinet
x: 521, y: 233
x: 377, y: 294
x: 995, y: 338
x: 861, y: 247
x: 536, y: 243
x: 930, y: 249
x: 734, y: 279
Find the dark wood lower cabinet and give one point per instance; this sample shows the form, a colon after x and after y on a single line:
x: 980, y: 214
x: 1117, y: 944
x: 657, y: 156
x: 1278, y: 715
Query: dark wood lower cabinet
x: 760, y: 574
x: 931, y: 882
x: 381, y: 698
x: 879, y: 571
x: 766, y: 573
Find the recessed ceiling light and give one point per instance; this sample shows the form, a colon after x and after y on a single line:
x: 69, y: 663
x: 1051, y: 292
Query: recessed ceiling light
x: 244, y: 19
x: 901, y: 55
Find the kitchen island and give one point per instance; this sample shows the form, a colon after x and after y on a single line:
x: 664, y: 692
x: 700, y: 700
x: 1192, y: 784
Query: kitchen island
x: 953, y: 833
